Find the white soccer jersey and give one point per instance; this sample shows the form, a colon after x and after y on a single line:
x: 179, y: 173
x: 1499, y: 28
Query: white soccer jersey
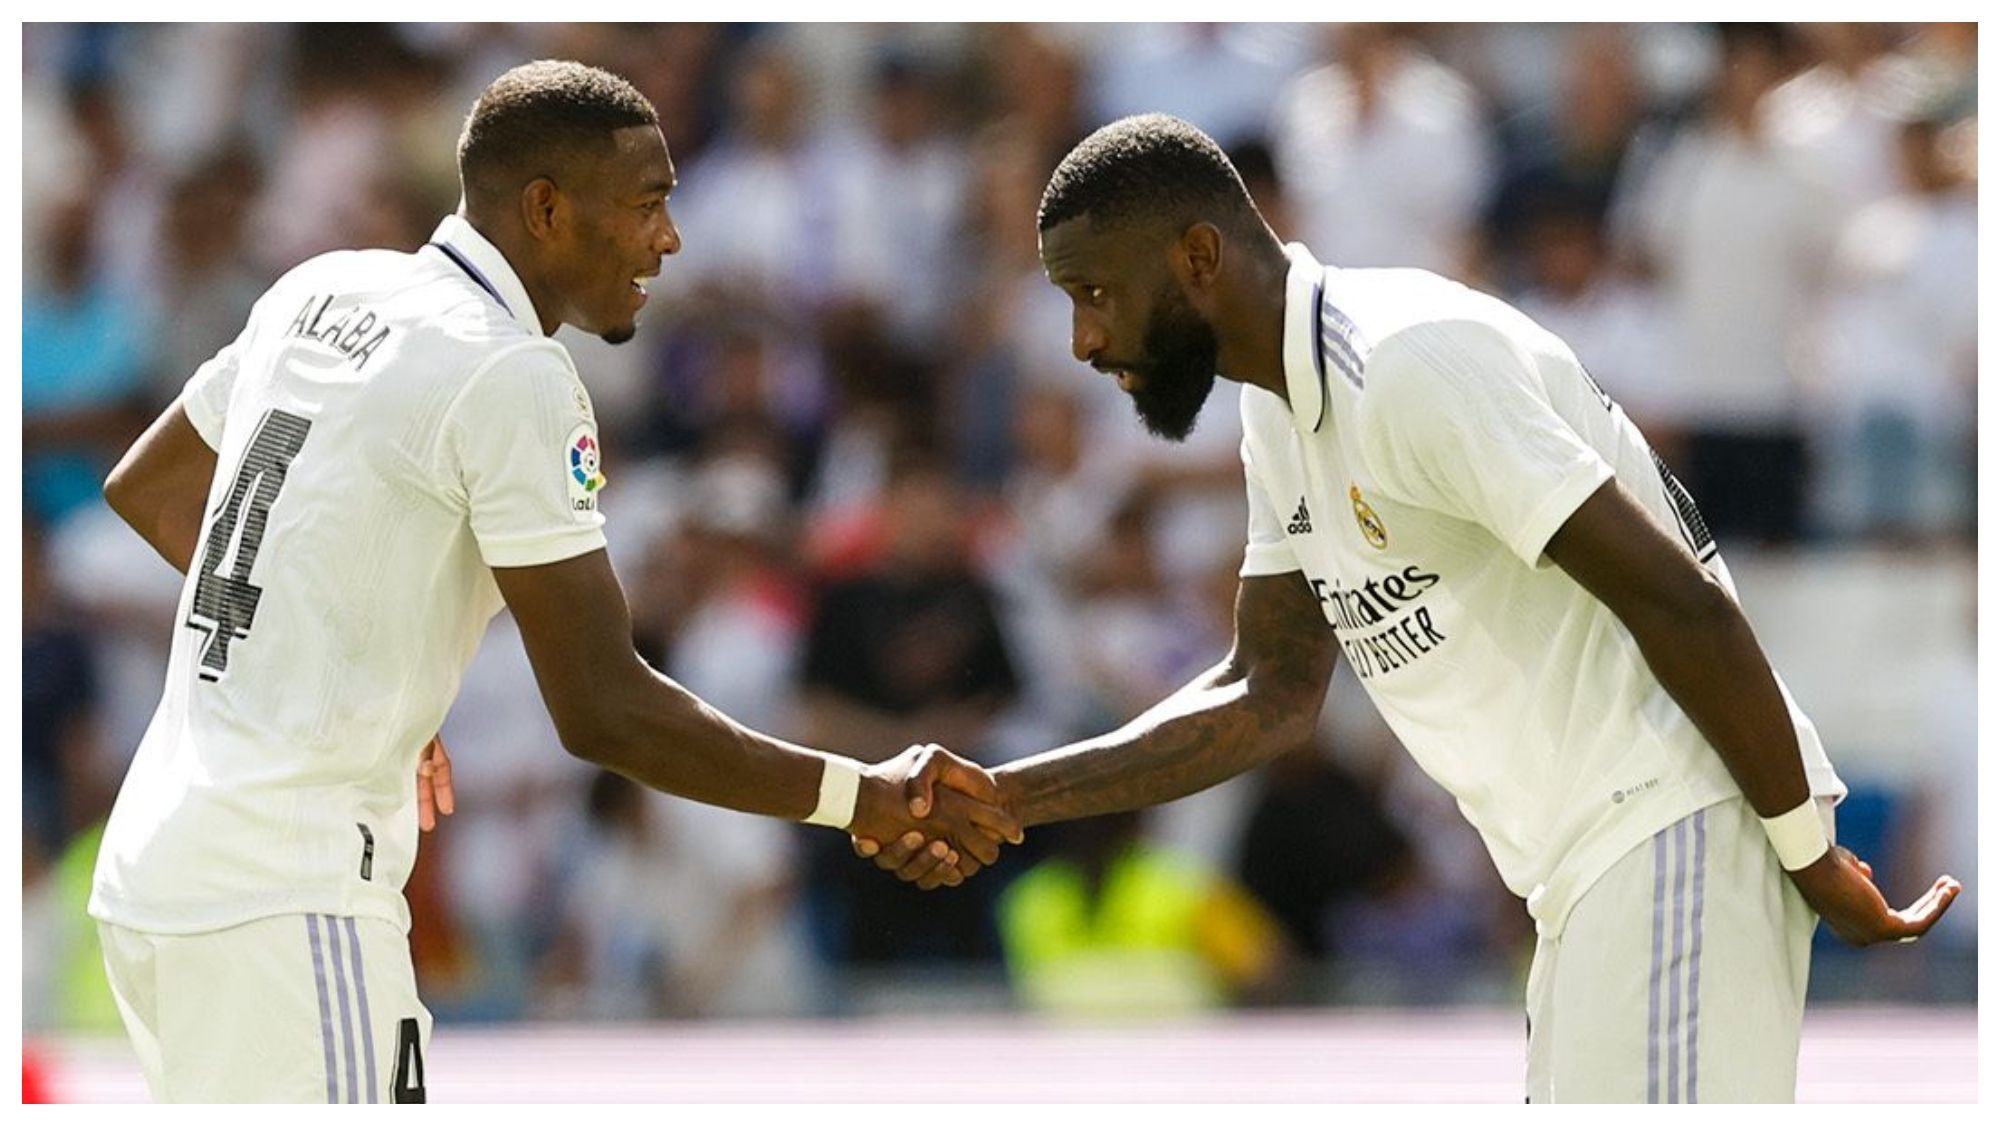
x: 1436, y: 439
x: 387, y: 428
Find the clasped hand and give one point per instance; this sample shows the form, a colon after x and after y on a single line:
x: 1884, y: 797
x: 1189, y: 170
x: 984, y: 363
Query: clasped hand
x: 941, y: 817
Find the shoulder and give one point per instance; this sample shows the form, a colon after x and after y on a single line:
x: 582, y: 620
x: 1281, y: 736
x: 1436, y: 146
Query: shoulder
x: 1437, y: 364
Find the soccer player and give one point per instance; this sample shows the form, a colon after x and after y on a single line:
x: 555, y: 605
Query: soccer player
x: 391, y: 449
x: 1440, y: 492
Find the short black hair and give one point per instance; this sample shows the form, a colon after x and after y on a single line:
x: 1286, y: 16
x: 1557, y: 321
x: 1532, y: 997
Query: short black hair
x: 1148, y: 167
x: 540, y: 115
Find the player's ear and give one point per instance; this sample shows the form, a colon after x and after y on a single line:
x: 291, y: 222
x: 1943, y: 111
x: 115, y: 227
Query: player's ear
x: 542, y: 207
x: 1198, y: 256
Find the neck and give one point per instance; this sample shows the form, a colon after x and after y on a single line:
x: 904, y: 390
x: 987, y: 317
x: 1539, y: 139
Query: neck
x: 1250, y: 319
x: 515, y: 245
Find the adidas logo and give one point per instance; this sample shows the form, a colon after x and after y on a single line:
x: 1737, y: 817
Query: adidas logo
x: 1302, y: 523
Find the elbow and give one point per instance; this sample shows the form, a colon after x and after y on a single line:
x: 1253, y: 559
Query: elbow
x: 588, y: 735
x: 120, y: 492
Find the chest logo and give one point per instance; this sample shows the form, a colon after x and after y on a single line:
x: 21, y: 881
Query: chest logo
x: 1302, y: 521
x: 1371, y: 524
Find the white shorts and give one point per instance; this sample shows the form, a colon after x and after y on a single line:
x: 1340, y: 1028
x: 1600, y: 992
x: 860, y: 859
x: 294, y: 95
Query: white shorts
x: 1680, y: 976
x: 293, y: 1008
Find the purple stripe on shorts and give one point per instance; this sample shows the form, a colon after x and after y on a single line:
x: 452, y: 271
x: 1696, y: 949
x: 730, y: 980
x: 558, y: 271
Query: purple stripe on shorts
x: 1653, y: 992
x: 325, y: 1013
x: 1694, y: 950
x: 361, y: 995
x: 346, y: 1017
x: 1674, y: 969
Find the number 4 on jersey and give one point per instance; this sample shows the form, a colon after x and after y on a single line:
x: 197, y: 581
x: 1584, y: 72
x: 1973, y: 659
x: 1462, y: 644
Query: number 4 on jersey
x: 225, y: 602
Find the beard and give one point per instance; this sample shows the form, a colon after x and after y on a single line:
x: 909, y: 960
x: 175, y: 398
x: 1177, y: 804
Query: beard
x: 621, y: 334
x: 1178, y: 370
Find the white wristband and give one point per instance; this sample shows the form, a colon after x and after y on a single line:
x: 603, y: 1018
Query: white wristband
x: 839, y: 784
x: 1798, y: 835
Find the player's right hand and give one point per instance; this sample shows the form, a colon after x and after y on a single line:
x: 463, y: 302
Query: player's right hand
x: 434, y: 794
x: 1839, y: 886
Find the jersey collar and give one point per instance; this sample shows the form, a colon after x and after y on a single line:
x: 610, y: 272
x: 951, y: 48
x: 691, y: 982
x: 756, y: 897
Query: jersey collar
x: 487, y: 267
x: 1305, y: 364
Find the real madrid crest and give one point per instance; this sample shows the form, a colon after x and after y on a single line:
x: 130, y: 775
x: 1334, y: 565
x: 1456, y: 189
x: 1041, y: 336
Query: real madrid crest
x: 1371, y: 524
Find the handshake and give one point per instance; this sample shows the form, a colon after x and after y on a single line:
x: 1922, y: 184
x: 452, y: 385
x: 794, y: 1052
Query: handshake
x: 930, y: 817
x: 927, y: 815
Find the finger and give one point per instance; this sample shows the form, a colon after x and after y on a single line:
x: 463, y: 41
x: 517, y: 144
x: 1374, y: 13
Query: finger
x: 900, y: 852
x: 997, y: 822
x: 440, y: 764
x: 865, y: 847
x: 426, y: 800
x: 1918, y: 918
x: 924, y: 863
x: 945, y: 875
x: 981, y: 847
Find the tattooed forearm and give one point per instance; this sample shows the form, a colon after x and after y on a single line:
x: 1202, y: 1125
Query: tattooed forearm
x: 1259, y: 702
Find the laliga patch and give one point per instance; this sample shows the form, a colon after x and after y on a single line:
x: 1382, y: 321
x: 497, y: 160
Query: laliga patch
x: 585, y: 467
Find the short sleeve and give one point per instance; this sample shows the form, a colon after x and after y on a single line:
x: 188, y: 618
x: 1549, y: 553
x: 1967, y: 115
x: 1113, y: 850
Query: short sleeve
x: 205, y: 397
x: 1267, y: 552
x: 1456, y: 419
x: 520, y: 445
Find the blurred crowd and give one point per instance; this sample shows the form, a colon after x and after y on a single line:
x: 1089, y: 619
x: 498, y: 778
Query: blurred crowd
x: 861, y: 495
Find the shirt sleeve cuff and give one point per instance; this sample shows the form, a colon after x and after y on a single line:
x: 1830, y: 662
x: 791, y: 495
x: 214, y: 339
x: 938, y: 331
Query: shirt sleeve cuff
x: 206, y: 422
x: 1561, y: 503
x: 534, y: 551
x: 1267, y: 559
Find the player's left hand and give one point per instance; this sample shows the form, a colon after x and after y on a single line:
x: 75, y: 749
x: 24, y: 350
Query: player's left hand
x: 433, y: 784
x: 1840, y: 886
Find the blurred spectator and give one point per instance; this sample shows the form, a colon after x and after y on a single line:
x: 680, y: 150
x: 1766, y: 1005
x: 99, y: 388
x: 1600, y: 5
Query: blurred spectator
x: 1568, y: 154
x: 63, y: 804
x: 516, y: 788
x: 908, y: 648
x: 1033, y: 76
x: 1737, y: 228
x: 83, y: 369
x: 1011, y: 330
x: 59, y: 703
x: 905, y: 648
x: 1111, y: 925
x: 1221, y: 76
x: 896, y: 191
x: 718, y: 608
x: 761, y: 253
x: 1847, y: 108
x: 1896, y: 438
x: 1384, y: 152
x: 208, y: 281
x: 126, y: 190
x: 1140, y: 638
x: 670, y: 908
x: 1615, y: 324
x: 1319, y: 838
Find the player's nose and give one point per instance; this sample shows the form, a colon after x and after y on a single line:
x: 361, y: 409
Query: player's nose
x: 667, y: 240
x: 1086, y: 337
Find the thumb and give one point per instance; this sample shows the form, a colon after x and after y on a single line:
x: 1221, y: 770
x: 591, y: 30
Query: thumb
x: 920, y: 787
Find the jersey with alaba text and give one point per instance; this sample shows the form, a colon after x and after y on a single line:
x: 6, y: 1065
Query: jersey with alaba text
x: 1435, y: 440
x: 388, y: 428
